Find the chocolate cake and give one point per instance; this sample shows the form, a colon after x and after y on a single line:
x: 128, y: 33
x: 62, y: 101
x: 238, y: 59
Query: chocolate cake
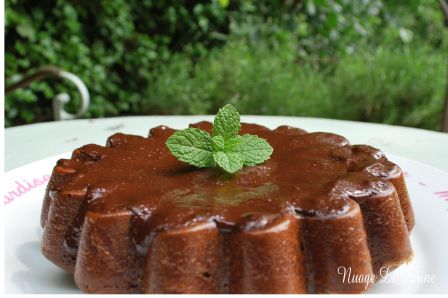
x: 130, y: 218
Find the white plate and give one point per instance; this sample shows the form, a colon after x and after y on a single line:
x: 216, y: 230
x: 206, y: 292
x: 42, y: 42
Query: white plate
x: 27, y: 271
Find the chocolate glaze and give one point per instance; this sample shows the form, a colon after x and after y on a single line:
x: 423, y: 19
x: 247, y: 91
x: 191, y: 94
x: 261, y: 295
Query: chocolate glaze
x: 312, y: 174
x: 317, y: 176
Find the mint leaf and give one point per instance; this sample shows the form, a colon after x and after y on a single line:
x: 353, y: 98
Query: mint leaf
x: 232, y: 144
x: 255, y: 150
x: 227, y: 122
x: 218, y: 143
x: 229, y: 161
x: 193, y: 146
x: 225, y: 148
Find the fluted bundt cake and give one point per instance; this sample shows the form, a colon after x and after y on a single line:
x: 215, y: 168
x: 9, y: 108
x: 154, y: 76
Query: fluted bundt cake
x: 131, y: 218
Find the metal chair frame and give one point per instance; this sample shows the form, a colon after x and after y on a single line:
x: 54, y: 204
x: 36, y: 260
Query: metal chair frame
x: 61, y: 99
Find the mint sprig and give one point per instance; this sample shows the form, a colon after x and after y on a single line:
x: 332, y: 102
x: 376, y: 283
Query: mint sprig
x: 225, y: 148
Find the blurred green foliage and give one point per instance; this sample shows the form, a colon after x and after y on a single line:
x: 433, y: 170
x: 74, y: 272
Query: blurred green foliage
x: 396, y: 86
x: 369, y: 60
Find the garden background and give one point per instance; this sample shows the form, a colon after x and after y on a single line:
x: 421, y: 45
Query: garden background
x: 368, y: 60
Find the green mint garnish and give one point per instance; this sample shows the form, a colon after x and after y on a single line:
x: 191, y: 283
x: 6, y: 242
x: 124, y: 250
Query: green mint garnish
x: 225, y: 148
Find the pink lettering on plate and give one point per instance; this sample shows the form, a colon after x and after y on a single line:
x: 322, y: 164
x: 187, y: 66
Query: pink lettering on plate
x: 442, y: 194
x: 24, y: 186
